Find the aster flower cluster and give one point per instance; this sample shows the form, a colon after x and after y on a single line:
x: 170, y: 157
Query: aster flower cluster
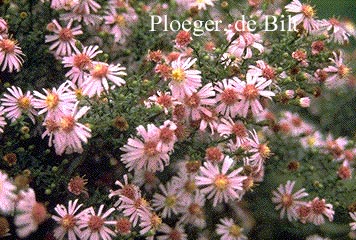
x: 139, y: 134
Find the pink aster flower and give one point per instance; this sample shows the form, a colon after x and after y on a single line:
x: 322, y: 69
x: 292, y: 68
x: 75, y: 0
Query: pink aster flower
x: 229, y: 230
x: 353, y: 224
x: 184, y: 81
x: 319, y: 209
x: 250, y: 92
x: 304, y: 15
x: 83, y: 11
x: 100, y: 75
x: 80, y: 63
x: 131, y: 207
x: 126, y: 189
x: 176, y: 233
x: 71, y: 133
x: 242, y: 46
x: 63, y: 41
x: 167, y: 137
x: 149, y: 221
x: 67, y: 221
x: 163, y: 100
x: 10, y: 55
x: 144, y: 154
x: 221, y: 185
x: 7, y: 195
x: 229, y: 127
x: 168, y: 201
x: 262, y: 69
x: 339, y: 73
x: 339, y: 32
x: 119, y: 23
x: 185, y: 184
x: 227, y: 97
x: 287, y: 201
x: 18, y: 103
x: 193, y: 211
x: 196, y: 103
x: 29, y: 213
x: 55, y: 102
x: 259, y: 151
x: 95, y: 226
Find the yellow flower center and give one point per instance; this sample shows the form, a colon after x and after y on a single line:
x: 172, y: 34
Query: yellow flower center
x: 343, y: 71
x: 24, y: 103
x: 52, y: 101
x: 264, y: 151
x: 235, y: 230
x: 190, y: 186
x: 120, y: 20
x: 99, y: 70
x: 287, y: 200
x: 7, y: 45
x: 68, y: 222
x: 67, y: 123
x: 250, y: 91
x: 171, y: 201
x: 156, y: 221
x: 311, y: 140
x: 178, y: 75
x: 221, y: 182
x: 308, y: 11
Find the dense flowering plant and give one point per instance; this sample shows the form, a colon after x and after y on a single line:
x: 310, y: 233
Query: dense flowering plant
x: 187, y: 119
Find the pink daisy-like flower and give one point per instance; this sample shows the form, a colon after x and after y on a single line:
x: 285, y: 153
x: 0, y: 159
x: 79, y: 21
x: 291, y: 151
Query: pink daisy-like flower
x: 259, y: 151
x: 80, y: 62
x: 262, y: 69
x: 144, y: 154
x: 71, y: 133
x: 168, y: 201
x: 176, y: 233
x: 319, y: 209
x: 196, y: 104
x: 336, y: 147
x: 229, y: 230
x: 227, y: 97
x: 131, y: 207
x: 7, y: 195
x: 339, y: 33
x: 149, y: 221
x: 228, y: 127
x: 146, y: 179
x: 353, y: 224
x: 95, y: 226
x: 63, y: 39
x: 100, y: 74
x: 120, y: 22
x: 18, y: 103
x: 305, y: 14
x: 167, y: 137
x: 163, y: 100
x: 29, y: 213
x: 219, y: 184
x: 10, y: 55
x: 193, y: 211
x: 242, y: 46
x: 68, y: 221
x: 82, y: 11
x: 184, y: 81
x: 287, y: 201
x: 185, y: 184
x: 250, y: 92
x: 126, y: 189
x: 339, y: 73
x: 55, y: 102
